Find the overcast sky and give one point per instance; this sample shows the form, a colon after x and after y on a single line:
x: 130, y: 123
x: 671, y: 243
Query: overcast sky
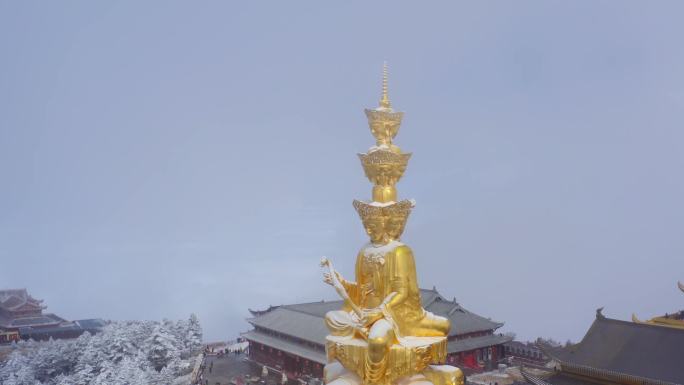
x: 159, y: 159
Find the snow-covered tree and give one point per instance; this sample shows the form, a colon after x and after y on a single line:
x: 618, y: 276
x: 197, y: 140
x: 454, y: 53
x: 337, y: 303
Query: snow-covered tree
x: 194, y: 333
x: 17, y: 370
x: 24, y: 376
x: 160, y: 347
x: 124, y: 353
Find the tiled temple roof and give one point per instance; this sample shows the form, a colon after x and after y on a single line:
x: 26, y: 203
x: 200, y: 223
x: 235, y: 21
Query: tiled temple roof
x: 472, y: 343
x: 305, y: 321
x: 315, y: 355
x: 13, y: 299
x: 624, y: 351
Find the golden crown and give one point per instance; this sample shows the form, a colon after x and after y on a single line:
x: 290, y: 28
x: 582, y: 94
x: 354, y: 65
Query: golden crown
x: 384, y: 124
x: 384, y: 167
x: 396, y: 212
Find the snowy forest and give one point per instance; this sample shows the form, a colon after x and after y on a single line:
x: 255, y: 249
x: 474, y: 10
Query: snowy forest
x: 124, y: 353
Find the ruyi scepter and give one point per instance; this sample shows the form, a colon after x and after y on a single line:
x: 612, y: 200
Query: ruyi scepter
x: 339, y: 288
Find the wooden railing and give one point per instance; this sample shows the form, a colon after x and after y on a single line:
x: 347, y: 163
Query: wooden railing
x: 197, y: 369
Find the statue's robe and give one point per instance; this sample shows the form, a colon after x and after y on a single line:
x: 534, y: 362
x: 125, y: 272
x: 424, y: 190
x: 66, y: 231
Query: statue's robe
x: 381, y: 271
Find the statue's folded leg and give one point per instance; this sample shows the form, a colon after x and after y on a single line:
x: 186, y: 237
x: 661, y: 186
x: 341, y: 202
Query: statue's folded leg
x: 340, y: 323
x: 431, y: 326
x: 380, y: 337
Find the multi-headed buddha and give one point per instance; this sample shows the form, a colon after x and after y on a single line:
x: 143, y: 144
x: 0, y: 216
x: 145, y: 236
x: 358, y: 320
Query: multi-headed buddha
x: 386, y: 290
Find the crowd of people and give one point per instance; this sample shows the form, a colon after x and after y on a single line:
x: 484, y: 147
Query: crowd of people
x: 233, y: 348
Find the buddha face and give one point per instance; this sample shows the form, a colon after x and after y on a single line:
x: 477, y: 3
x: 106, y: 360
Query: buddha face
x: 395, y: 227
x: 384, y: 130
x: 380, y: 132
x: 376, y: 229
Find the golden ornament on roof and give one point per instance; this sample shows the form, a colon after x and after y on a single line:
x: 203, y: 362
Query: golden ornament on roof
x: 674, y: 320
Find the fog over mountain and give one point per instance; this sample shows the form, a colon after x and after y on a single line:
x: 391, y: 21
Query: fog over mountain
x: 164, y: 158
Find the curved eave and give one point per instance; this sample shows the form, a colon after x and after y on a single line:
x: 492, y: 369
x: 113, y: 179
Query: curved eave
x: 613, y: 350
x: 608, y: 375
x: 286, y: 346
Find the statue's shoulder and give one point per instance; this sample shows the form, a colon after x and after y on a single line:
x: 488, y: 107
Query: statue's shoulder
x: 403, y: 254
x: 403, y: 250
x: 392, y: 248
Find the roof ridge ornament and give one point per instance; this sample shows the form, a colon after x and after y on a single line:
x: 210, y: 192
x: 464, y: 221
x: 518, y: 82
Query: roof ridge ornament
x: 599, y: 313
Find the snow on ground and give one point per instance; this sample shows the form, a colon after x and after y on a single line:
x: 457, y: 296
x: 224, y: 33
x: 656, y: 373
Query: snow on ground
x: 124, y: 353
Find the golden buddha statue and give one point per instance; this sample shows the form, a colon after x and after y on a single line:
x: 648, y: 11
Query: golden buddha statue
x: 383, y: 335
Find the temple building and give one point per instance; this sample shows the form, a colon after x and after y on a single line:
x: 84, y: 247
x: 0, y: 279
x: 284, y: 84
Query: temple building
x: 527, y: 352
x: 292, y: 337
x: 621, y: 352
x: 22, y: 317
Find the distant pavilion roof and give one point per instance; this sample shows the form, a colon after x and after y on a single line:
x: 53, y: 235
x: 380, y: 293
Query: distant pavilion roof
x: 305, y: 321
x: 13, y: 299
x: 47, y: 319
x: 615, y: 350
x: 90, y: 325
x: 44, y: 319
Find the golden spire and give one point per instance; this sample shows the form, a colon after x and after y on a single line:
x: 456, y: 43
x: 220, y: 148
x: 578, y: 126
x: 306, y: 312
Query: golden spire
x: 384, y: 122
x: 385, y: 102
x: 384, y: 163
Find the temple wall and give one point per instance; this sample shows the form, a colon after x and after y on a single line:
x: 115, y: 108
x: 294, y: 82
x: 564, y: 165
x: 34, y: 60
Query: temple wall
x: 294, y: 366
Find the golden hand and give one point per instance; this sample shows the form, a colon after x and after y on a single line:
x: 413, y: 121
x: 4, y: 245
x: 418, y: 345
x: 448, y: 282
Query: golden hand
x: 371, y: 315
x: 327, y: 278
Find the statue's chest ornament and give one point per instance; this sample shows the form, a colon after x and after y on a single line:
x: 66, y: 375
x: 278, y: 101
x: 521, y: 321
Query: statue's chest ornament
x: 372, y: 269
x: 374, y: 259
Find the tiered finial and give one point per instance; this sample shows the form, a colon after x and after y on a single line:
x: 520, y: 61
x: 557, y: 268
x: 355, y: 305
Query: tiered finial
x: 385, y: 102
x: 384, y: 164
x: 384, y: 122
